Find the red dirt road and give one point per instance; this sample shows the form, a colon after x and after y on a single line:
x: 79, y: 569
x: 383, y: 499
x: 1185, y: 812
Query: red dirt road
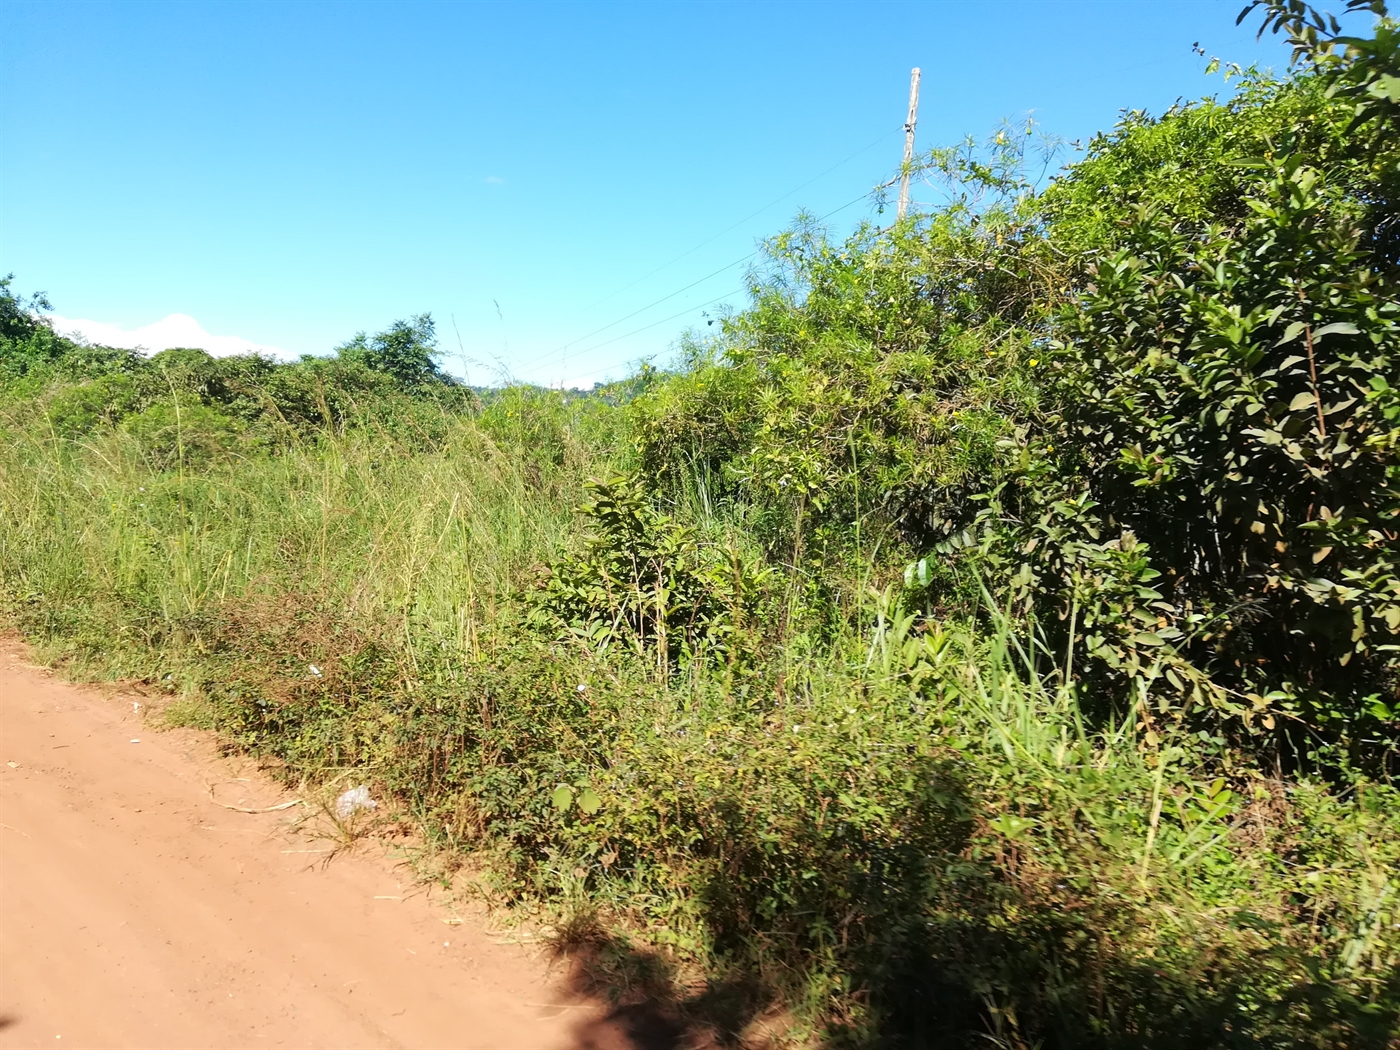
x: 135, y: 912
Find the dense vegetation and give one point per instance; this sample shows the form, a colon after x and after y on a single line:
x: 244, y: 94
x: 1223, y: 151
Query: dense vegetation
x: 992, y: 633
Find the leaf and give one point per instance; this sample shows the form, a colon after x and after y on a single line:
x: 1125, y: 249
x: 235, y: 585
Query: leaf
x: 1387, y: 87
x: 917, y: 572
x: 1291, y: 333
x: 589, y: 802
x: 1336, y: 328
x: 562, y: 798
x: 1147, y: 638
x: 1012, y: 826
x: 1303, y: 400
x: 1320, y: 554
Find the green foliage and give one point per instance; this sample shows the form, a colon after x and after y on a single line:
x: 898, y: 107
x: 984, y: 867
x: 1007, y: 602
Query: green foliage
x: 1099, y: 376
x: 27, y: 342
x: 17, y: 320
x: 107, y: 399
x: 1209, y: 498
x: 874, y: 400
x: 191, y: 436
x: 643, y: 581
x: 1359, y: 70
x: 548, y: 426
x: 389, y: 376
x: 1194, y: 165
x: 405, y: 353
x: 1228, y: 393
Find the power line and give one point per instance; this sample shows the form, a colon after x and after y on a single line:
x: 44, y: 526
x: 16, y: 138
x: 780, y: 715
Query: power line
x: 600, y: 371
x: 746, y: 218
x: 529, y: 362
x: 644, y: 309
x: 688, y: 309
x: 599, y: 346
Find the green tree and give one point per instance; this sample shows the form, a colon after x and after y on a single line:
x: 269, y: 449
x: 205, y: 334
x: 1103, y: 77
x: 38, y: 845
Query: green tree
x: 405, y: 351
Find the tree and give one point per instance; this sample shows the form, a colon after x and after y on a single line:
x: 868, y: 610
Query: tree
x: 406, y: 351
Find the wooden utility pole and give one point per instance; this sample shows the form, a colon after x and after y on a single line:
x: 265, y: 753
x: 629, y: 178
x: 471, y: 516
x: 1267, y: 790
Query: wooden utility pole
x: 909, y: 141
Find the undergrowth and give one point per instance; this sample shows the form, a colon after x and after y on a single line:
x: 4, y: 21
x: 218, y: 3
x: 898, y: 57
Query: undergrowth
x: 906, y: 829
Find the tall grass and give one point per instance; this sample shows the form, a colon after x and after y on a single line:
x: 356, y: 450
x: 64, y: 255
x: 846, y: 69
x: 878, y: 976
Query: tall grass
x: 904, y: 829
x: 362, y: 522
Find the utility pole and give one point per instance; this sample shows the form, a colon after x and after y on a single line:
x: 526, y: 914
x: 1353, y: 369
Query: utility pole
x: 909, y: 141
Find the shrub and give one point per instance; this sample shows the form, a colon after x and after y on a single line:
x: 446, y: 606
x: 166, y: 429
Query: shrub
x: 644, y: 582
x: 1229, y: 395
x: 1220, y: 400
x: 175, y: 436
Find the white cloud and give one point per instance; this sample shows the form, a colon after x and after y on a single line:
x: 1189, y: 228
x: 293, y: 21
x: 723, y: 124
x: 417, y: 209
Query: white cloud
x: 494, y: 180
x: 174, y: 330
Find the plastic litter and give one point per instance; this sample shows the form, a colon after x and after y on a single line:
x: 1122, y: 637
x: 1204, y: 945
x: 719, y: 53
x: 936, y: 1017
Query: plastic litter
x: 354, y: 800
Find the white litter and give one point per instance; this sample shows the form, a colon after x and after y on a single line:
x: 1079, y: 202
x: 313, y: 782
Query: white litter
x: 354, y: 800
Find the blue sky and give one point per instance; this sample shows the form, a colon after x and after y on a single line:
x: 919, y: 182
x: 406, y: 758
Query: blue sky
x: 284, y: 175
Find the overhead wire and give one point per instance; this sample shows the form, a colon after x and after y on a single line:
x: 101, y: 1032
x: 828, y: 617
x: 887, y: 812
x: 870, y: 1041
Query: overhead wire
x: 530, y: 362
x: 864, y: 149
x: 654, y: 324
x: 690, y: 309
x: 634, y: 313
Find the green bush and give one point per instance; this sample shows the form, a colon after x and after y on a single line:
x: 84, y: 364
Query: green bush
x: 644, y: 582
x: 1220, y: 398
x: 1229, y: 396
x: 866, y: 389
x: 175, y: 436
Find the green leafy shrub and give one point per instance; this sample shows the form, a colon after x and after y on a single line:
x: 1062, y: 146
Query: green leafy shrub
x: 76, y: 410
x: 864, y: 413
x: 1230, y: 397
x: 643, y: 581
x: 1220, y: 399
x: 192, y: 435
x: 405, y: 352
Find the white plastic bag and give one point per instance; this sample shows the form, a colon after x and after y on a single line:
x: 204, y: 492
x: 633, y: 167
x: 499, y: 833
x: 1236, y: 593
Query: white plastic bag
x: 354, y: 800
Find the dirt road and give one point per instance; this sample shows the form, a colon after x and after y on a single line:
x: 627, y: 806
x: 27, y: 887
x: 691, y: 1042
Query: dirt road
x: 134, y: 911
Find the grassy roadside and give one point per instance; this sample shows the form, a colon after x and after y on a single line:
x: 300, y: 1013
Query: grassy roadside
x: 907, y: 833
